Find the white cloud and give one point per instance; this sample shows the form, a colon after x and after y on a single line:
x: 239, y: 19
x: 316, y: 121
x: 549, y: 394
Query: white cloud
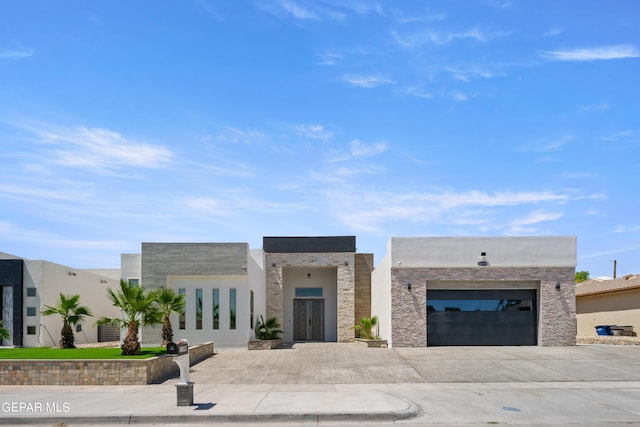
x: 97, y: 147
x: 16, y: 53
x: 416, y: 40
x: 626, y: 229
x: 313, y: 132
x: 597, y: 107
x: 555, y: 31
x: 417, y: 92
x: 620, y: 51
x: 235, y: 135
x: 536, y: 217
x: 362, y: 150
x: 367, y: 82
x: 547, y: 146
x: 329, y: 58
x: 459, y: 96
x: 298, y: 11
x: 403, y: 18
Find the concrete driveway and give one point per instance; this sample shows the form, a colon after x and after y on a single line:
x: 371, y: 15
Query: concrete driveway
x: 332, y: 363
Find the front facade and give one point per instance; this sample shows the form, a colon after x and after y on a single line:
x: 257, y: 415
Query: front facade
x: 434, y: 291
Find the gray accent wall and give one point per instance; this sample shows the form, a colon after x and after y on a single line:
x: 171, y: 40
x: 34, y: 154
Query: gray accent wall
x: 160, y: 260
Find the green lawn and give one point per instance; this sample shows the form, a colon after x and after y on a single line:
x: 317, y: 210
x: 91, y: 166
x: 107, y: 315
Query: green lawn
x: 76, y: 353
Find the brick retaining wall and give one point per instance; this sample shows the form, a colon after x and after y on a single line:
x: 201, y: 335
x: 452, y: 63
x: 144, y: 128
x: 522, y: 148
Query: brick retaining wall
x: 96, y: 372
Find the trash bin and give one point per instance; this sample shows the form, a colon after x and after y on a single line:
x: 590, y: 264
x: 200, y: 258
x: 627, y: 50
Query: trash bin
x: 604, y: 330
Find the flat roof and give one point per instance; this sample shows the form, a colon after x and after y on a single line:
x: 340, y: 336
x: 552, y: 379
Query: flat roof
x: 318, y: 244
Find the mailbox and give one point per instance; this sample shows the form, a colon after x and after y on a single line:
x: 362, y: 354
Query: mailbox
x: 177, y: 348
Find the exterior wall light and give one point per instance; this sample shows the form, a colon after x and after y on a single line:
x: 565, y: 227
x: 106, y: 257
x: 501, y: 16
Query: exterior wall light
x: 482, y: 260
x: 558, y: 286
x: 409, y: 287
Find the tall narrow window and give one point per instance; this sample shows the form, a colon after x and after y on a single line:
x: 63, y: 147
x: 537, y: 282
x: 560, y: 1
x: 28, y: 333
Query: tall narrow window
x: 183, y: 316
x: 251, y: 309
x: 216, y: 309
x: 134, y: 282
x: 198, y: 308
x: 232, y: 308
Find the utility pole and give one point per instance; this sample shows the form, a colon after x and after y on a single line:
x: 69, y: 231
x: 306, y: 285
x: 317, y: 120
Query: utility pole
x: 615, y: 264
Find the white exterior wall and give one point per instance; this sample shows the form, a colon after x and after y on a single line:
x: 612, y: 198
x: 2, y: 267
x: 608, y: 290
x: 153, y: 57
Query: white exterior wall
x: 381, y: 297
x: 321, y: 277
x: 50, y: 280
x: 130, y: 266
x: 255, y: 274
x: 436, y: 252
x: 223, y: 337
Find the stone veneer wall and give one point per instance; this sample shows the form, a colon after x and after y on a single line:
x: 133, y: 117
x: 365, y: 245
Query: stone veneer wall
x: 364, y: 267
x: 345, y: 284
x: 556, y: 308
x: 96, y: 372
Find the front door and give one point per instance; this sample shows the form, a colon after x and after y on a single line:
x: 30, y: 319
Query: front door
x: 308, y: 320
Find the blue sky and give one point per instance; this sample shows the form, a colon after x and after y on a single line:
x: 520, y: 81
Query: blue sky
x: 226, y: 121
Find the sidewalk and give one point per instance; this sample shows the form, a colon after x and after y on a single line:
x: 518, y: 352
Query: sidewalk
x: 328, y: 383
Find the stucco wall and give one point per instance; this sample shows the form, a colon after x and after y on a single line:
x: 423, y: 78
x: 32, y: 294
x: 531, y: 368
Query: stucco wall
x: 381, y: 298
x: 50, y: 280
x: 435, y: 252
x: 620, y: 308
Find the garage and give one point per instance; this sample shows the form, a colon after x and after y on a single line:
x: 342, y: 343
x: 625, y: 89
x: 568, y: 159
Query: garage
x: 482, y: 317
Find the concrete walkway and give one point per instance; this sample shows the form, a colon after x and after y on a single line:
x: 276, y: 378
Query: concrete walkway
x: 339, y: 384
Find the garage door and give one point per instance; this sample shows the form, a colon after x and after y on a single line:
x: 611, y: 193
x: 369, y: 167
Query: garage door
x: 482, y: 317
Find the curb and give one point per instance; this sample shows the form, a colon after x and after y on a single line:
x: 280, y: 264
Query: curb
x: 408, y: 413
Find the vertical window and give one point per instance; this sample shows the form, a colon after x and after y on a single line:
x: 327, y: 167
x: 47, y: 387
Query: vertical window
x: 31, y: 292
x: 216, y: 309
x: 251, y: 309
x: 31, y: 330
x: 134, y: 282
x: 198, y: 308
x: 31, y: 311
x: 183, y: 316
x: 232, y: 308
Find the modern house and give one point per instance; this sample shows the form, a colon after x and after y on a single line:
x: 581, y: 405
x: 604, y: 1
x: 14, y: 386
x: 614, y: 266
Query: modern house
x: 426, y: 291
x: 26, y: 286
x: 608, y: 302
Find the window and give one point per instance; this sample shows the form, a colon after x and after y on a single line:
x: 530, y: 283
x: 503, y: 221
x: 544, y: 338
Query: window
x: 251, y: 309
x: 183, y: 316
x: 198, y: 308
x: 481, y: 305
x: 31, y: 292
x: 232, y: 308
x: 31, y: 311
x: 31, y: 330
x: 308, y: 292
x: 216, y: 309
x: 134, y: 282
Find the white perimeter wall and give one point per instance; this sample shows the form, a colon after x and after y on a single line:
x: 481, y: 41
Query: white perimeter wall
x: 381, y: 297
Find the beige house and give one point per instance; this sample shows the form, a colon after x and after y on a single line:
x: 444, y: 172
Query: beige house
x: 608, y: 302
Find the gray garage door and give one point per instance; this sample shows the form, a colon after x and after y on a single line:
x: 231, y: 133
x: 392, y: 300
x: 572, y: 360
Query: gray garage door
x: 481, y: 317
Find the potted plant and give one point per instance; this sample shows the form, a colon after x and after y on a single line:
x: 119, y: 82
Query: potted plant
x: 267, y: 334
x: 368, y: 337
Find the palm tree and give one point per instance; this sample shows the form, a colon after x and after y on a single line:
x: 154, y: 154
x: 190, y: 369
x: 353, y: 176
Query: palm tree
x: 72, y: 314
x: 138, y: 308
x: 365, y: 327
x: 170, y: 302
x: 268, y: 330
x: 4, y: 333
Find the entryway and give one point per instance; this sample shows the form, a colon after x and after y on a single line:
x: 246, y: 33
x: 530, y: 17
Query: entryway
x: 308, y: 319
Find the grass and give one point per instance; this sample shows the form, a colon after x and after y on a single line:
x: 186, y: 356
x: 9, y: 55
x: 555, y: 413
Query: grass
x: 76, y: 353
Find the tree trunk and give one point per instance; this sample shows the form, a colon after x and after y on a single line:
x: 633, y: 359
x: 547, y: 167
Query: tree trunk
x: 167, y: 331
x: 131, y: 346
x: 66, y: 336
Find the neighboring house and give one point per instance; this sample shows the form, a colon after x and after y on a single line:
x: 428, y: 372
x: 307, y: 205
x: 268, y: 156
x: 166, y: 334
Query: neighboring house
x: 26, y: 286
x: 607, y: 301
x: 476, y: 291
